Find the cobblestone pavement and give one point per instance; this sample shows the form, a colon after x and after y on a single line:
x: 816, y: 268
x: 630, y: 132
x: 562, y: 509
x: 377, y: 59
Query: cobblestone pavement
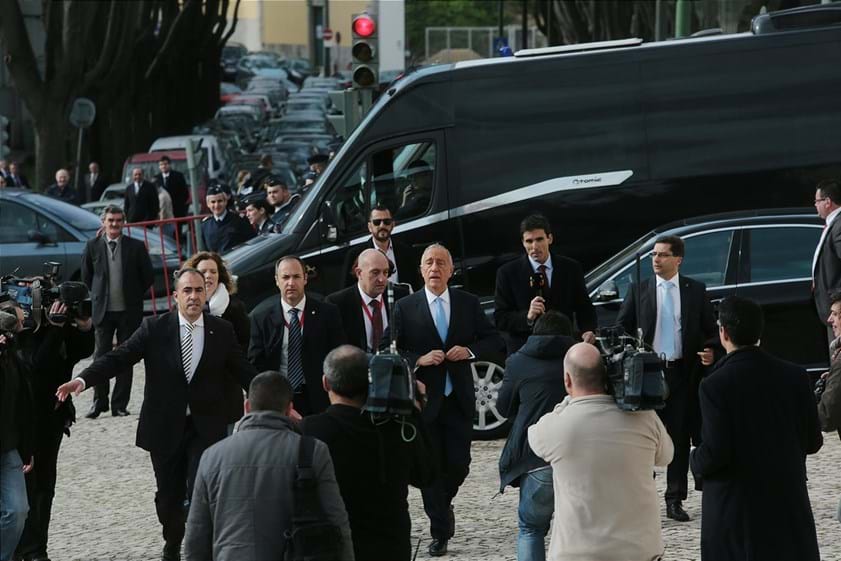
x: 104, y: 500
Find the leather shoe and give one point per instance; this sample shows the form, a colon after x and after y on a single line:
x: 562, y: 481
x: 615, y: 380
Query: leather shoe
x: 675, y: 512
x: 95, y: 411
x: 451, y: 529
x: 172, y: 552
x: 119, y: 413
x: 438, y: 548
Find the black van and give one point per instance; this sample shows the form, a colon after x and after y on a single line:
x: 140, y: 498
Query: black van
x: 607, y: 139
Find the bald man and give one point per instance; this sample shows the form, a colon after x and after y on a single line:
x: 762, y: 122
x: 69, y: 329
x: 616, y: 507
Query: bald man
x: 62, y: 189
x: 606, y: 456
x: 363, y: 306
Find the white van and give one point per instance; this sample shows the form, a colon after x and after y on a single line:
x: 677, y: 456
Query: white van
x: 216, y: 159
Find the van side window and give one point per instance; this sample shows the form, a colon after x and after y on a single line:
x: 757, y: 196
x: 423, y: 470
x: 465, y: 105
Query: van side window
x: 348, y: 203
x: 403, y: 179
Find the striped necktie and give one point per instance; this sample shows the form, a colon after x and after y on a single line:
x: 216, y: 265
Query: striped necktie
x: 187, y: 351
x: 295, y: 364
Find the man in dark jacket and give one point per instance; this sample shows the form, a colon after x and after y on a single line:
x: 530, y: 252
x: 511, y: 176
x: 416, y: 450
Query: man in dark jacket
x: 223, y: 230
x: 62, y: 189
x: 374, y: 464
x: 141, y: 201
x: 759, y: 423
x: 50, y: 354
x: 174, y: 183
x: 533, y: 385
x: 258, y: 461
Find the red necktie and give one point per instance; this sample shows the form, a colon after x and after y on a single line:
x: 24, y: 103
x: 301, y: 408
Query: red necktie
x: 376, y: 324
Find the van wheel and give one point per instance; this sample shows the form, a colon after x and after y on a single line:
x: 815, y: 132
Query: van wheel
x: 488, y: 423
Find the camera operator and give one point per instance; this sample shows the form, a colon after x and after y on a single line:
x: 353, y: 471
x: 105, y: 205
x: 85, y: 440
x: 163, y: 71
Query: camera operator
x: 829, y: 400
x: 16, y: 434
x: 50, y: 354
x: 602, y: 457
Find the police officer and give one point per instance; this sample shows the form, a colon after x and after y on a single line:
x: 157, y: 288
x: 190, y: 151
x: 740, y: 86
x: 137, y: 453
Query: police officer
x: 223, y: 230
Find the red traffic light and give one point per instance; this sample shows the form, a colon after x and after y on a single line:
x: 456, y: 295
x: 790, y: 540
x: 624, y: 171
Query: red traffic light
x: 364, y: 26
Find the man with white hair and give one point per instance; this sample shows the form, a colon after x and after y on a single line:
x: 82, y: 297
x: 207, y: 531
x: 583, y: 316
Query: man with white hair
x: 62, y: 189
x: 606, y: 504
x: 440, y: 331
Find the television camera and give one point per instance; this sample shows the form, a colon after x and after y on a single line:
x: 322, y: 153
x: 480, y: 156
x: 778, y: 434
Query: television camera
x: 35, y: 296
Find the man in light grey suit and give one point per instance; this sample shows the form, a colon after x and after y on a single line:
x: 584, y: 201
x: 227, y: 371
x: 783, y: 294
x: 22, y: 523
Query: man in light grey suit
x: 826, y: 264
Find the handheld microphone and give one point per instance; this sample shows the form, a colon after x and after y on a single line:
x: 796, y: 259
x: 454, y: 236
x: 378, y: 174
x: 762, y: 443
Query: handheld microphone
x: 536, y: 282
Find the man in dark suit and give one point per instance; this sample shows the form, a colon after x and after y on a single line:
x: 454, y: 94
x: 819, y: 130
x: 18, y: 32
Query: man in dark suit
x: 118, y: 272
x: 374, y: 464
x: 141, y: 199
x: 826, y: 264
x: 223, y: 230
x: 95, y: 185
x: 15, y: 178
x: 440, y: 331
x: 538, y: 281
x: 62, y: 189
x: 173, y: 183
x: 400, y: 256
x: 364, y: 306
x: 195, y: 375
x: 760, y: 421
x: 294, y: 335
x: 677, y: 321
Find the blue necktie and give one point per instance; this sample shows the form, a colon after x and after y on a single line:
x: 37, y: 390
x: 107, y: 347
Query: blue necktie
x: 667, y: 322
x: 441, y: 326
x: 294, y: 360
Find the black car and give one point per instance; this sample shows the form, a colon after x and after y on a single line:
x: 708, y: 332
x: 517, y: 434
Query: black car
x: 764, y: 255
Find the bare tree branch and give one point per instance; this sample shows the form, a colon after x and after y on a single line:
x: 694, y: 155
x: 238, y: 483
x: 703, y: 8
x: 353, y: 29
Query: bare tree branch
x: 20, y: 58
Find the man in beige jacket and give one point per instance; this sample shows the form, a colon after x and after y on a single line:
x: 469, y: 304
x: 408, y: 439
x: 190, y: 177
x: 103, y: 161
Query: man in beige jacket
x: 606, y: 505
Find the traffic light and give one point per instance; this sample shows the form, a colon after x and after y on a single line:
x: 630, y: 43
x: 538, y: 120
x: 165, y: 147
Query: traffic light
x: 365, y: 69
x: 5, y: 130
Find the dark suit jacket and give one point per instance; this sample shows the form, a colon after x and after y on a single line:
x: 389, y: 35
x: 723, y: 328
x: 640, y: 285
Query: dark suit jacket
x: 177, y: 188
x: 236, y: 314
x: 350, y: 307
x: 17, y: 181
x: 415, y: 333
x: 214, y: 394
x: 827, y: 273
x: 697, y: 327
x: 137, y: 275
x: 323, y: 332
x: 408, y: 263
x: 143, y: 205
x: 760, y: 422
x: 95, y: 191
x: 568, y: 295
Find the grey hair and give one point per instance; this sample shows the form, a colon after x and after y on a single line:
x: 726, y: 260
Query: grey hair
x: 346, y: 370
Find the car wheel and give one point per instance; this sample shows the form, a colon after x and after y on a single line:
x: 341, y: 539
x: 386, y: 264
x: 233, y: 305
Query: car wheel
x: 488, y: 423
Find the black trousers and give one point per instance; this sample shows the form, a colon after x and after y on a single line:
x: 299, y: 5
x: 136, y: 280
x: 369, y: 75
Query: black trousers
x: 175, y: 475
x: 676, y: 416
x: 40, y: 490
x: 450, y: 435
x: 123, y: 324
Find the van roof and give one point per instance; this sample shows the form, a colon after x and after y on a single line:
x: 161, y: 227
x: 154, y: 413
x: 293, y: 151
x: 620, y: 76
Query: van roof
x: 144, y: 157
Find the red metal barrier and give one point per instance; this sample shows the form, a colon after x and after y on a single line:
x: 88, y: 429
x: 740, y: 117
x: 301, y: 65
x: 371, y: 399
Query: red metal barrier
x: 183, y: 251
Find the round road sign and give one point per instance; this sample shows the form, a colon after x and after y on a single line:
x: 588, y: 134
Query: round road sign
x: 82, y: 113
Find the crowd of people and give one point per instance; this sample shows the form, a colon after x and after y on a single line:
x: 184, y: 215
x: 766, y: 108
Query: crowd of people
x: 300, y: 456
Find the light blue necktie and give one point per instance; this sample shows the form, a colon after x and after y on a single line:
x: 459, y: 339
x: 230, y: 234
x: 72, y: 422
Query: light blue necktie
x: 441, y: 326
x: 667, y: 322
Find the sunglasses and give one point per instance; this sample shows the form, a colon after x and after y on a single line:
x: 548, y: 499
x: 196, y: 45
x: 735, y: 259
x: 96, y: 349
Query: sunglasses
x: 378, y: 221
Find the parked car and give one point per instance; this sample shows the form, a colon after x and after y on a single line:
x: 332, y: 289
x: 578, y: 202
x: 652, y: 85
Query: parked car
x: 114, y: 194
x: 227, y: 91
x: 764, y: 255
x: 35, y: 228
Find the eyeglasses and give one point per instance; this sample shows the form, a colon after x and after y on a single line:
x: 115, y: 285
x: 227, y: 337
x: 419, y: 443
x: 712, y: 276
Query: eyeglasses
x: 378, y: 221
x: 661, y: 255
x: 821, y: 199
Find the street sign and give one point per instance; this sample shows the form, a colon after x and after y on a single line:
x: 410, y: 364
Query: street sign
x: 327, y: 34
x: 83, y: 113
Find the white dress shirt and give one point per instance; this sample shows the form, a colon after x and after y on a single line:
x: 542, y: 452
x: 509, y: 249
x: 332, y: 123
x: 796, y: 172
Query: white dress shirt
x: 829, y: 220
x: 535, y: 266
x: 369, y: 327
x: 301, y: 306
x: 390, y: 254
x: 675, y: 293
x: 433, y: 307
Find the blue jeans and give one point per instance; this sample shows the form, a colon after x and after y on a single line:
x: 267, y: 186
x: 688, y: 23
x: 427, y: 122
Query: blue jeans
x: 13, y: 504
x: 537, y: 503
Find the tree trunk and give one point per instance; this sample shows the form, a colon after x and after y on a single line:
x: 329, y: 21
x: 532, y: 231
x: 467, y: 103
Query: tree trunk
x: 51, y: 136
